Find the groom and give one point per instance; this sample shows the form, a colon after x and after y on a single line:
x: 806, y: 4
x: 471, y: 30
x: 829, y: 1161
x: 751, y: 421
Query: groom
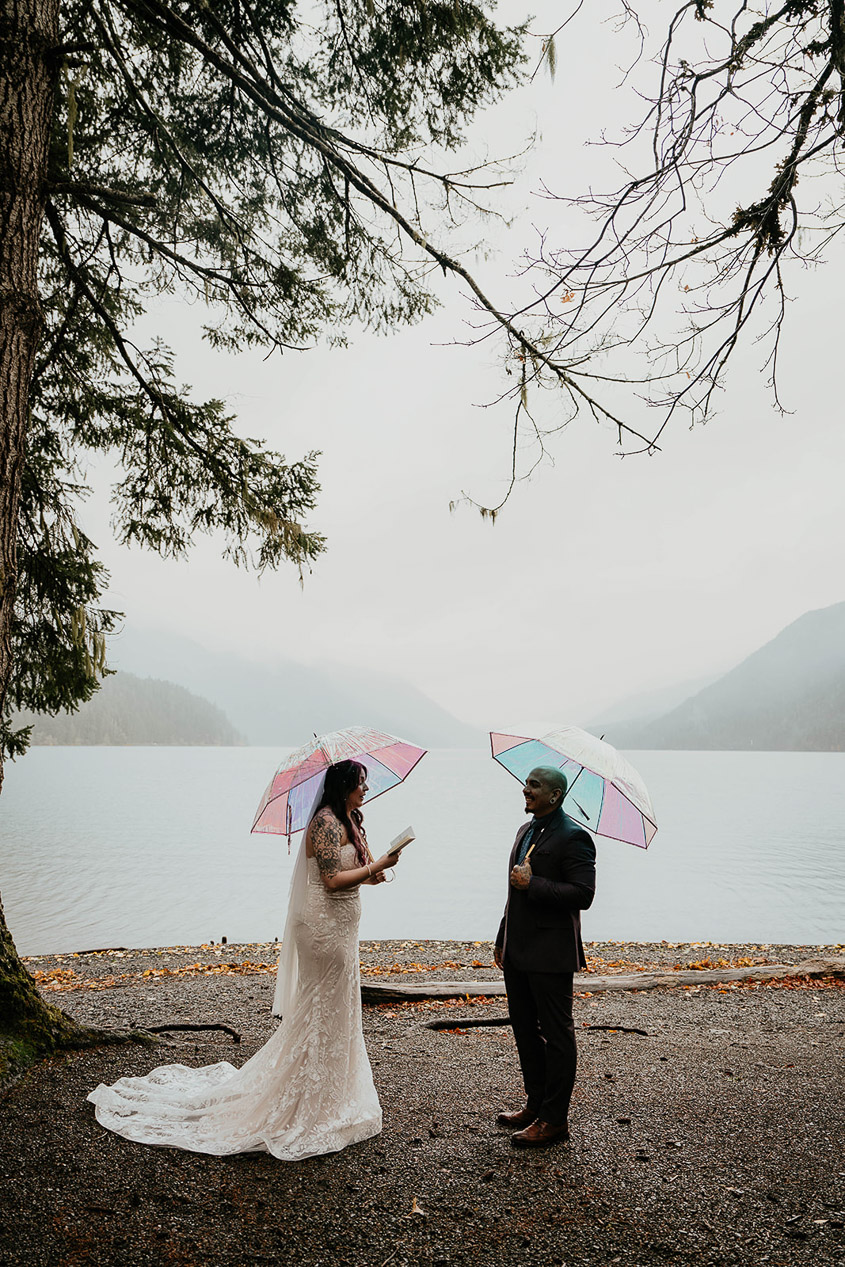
x: 538, y: 946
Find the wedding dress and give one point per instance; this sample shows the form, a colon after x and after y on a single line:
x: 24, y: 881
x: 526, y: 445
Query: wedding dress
x: 309, y: 1090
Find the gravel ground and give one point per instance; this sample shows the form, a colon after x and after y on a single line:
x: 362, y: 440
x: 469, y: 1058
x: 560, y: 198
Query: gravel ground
x: 445, y: 959
x: 715, y: 1137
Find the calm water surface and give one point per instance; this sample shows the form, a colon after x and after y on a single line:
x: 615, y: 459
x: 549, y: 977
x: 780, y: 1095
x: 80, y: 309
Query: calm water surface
x: 151, y: 846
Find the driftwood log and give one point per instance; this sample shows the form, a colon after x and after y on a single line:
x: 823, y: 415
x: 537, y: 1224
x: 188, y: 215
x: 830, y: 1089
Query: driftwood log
x: 399, y: 992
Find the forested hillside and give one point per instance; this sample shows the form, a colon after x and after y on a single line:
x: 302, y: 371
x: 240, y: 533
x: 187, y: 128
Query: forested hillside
x: 134, y: 710
x: 285, y: 702
x: 788, y: 696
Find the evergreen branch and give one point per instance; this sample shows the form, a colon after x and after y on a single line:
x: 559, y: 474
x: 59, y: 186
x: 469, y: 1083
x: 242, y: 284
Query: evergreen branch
x: 112, y: 42
x: 157, y: 398
x: 234, y: 286
x: 83, y: 190
x: 203, y: 271
x: 325, y: 142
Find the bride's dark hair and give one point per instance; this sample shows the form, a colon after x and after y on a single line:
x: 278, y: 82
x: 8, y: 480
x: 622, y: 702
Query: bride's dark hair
x: 342, y: 778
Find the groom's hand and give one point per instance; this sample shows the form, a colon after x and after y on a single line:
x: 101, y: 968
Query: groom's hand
x: 497, y: 956
x: 521, y: 876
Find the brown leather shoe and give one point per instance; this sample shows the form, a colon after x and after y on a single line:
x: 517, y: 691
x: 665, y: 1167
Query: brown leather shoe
x: 538, y: 1134
x: 522, y: 1117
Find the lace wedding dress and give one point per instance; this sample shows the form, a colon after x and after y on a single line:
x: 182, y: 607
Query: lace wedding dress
x: 309, y: 1090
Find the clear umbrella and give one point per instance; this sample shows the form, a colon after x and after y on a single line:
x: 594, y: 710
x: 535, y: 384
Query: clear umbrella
x: 606, y: 794
x: 288, y: 799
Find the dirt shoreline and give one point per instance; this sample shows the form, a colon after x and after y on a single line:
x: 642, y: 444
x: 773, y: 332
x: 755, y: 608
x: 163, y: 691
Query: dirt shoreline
x: 713, y: 1135
x: 390, y: 959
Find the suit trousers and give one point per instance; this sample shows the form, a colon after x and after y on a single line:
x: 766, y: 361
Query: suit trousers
x: 540, y: 1007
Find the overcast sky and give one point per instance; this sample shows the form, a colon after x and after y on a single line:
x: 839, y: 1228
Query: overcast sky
x: 617, y: 576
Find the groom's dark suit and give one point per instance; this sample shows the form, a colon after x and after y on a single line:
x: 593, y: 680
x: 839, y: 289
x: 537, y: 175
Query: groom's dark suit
x: 540, y: 941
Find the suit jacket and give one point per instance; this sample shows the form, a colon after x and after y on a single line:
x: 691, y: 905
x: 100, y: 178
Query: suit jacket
x: 541, y: 927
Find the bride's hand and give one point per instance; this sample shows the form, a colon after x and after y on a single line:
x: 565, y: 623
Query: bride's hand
x: 386, y: 860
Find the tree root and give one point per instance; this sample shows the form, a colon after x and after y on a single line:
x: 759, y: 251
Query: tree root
x: 166, y: 1029
x: 476, y: 1022
x: 20, y: 1050
x: 618, y: 1029
x: 31, y: 1028
x: 468, y: 1022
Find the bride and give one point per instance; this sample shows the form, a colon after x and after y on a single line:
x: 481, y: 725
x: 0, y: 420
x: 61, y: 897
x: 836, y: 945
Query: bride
x: 309, y: 1090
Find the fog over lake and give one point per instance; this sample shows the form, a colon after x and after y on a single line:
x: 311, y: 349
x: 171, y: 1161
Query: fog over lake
x: 131, y: 847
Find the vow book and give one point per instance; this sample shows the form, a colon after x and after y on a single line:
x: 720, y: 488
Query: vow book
x: 399, y: 842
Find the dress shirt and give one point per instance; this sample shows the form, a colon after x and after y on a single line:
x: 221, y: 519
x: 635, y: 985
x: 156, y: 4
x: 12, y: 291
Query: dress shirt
x: 535, y: 831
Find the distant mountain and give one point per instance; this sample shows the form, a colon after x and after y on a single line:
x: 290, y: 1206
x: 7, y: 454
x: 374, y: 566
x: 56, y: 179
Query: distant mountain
x: 788, y: 696
x: 134, y: 710
x: 646, y: 706
x: 283, y: 703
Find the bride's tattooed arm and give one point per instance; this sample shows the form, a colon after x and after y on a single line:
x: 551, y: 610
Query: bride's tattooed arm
x: 327, y: 839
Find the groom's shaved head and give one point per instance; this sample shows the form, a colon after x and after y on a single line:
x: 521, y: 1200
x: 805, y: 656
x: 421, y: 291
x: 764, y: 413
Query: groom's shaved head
x: 553, y: 778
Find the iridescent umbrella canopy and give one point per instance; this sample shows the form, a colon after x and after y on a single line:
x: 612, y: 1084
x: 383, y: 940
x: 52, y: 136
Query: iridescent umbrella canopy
x: 605, y: 794
x: 285, y: 804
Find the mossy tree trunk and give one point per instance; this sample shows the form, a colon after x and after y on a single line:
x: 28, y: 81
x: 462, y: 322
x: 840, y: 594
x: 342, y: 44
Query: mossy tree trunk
x: 29, y: 72
x: 29, y: 1027
x: 29, y: 60
x: 28, y: 79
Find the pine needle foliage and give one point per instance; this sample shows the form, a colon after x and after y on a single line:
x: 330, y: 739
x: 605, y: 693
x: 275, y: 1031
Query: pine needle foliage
x: 262, y: 158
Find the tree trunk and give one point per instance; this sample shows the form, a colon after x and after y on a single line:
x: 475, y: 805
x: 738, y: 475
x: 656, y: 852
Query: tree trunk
x: 29, y: 1027
x: 28, y: 77
x: 837, y: 52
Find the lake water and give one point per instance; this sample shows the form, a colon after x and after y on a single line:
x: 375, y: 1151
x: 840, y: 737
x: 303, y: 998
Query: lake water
x: 151, y: 847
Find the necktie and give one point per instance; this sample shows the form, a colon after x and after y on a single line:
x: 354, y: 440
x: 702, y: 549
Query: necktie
x: 525, y: 844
